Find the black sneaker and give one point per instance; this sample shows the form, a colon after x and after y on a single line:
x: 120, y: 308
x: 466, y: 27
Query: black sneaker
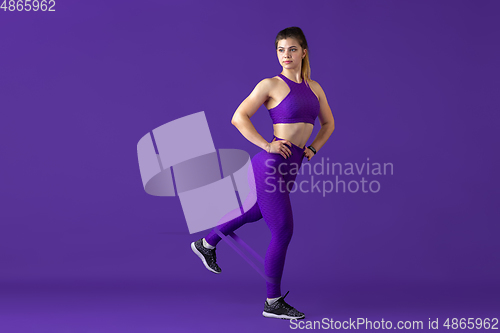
x: 282, y: 310
x: 206, y: 255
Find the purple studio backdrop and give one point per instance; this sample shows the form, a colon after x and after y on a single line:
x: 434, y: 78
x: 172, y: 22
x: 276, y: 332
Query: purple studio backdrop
x: 412, y: 85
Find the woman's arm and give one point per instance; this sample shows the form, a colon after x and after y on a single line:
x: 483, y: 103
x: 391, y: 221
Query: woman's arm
x: 247, y: 108
x: 325, y: 118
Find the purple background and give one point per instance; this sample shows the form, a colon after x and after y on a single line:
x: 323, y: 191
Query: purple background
x: 83, y: 248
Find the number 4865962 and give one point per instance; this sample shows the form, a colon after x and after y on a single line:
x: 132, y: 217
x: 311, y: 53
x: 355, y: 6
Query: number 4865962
x: 28, y: 5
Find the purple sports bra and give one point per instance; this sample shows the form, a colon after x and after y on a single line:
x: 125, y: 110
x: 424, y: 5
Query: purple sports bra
x: 300, y: 105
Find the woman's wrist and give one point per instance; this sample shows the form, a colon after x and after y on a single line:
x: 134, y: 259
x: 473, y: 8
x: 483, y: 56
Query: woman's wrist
x: 266, y: 147
x: 311, y: 148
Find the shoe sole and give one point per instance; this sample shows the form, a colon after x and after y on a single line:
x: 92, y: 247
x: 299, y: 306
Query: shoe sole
x: 200, y: 255
x: 272, y: 315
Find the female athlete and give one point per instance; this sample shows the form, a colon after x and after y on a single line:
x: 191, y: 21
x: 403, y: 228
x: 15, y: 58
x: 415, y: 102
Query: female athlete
x: 294, y: 101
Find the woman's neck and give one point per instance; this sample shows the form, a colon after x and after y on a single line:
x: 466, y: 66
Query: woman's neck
x: 293, y: 75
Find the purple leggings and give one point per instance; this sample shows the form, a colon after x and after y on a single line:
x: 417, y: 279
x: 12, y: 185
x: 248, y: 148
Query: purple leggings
x: 273, y: 204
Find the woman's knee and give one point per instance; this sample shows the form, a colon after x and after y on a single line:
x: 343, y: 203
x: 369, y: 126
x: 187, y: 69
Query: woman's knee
x: 283, y: 232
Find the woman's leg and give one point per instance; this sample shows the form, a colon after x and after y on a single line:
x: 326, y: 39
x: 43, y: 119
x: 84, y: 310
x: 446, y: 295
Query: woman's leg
x: 273, y: 184
x: 277, y: 212
x: 251, y: 215
x: 273, y: 204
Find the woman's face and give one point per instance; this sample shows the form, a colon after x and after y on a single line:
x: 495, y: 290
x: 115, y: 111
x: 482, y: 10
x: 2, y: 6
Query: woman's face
x: 290, y: 53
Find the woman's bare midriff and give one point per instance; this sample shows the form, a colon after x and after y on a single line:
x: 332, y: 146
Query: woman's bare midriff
x: 296, y: 133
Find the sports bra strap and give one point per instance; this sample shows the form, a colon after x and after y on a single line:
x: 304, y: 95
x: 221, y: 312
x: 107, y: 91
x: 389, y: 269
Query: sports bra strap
x: 287, y: 80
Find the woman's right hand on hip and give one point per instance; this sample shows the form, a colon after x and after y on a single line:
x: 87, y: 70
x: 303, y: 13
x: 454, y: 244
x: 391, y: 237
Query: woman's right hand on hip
x: 280, y: 147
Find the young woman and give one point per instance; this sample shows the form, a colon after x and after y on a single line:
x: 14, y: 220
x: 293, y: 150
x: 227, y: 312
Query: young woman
x: 294, y: 101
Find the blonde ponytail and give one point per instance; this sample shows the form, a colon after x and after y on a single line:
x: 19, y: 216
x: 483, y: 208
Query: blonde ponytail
x: 306, y: 68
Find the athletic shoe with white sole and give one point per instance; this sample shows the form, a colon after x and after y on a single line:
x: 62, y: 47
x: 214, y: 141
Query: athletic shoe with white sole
x: 281, y: 310
x: 206, y: 255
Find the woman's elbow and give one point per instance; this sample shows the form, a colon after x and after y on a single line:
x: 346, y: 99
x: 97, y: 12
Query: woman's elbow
x: 234, y: 121
x: 330, y: 126
x: 238, y: 120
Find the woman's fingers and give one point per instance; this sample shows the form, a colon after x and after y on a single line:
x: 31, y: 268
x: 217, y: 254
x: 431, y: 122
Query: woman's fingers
x: 283, y: 153
x: 309, y: 154
x: 285, y: 147
x: 286, y: 152
x: 306, y: 154
x: 289, y: 144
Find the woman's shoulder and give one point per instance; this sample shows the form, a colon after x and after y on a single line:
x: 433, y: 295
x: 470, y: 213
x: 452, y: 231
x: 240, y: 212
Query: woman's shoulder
x: 268, y: 83
x: 314, y: 85
x: 316, y: 88
x: 271, y: 80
